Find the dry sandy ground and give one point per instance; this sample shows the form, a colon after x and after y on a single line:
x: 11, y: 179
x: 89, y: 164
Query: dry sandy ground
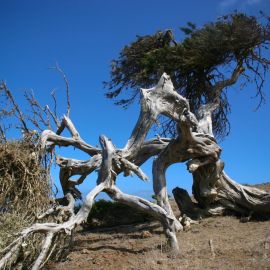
x: 235, y: 245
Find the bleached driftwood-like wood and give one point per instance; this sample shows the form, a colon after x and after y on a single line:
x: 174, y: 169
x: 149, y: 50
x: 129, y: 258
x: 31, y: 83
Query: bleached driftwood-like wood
x: 44, y: 251
x: 71, y: 167
x: 59, y: 208
x: 195, y: 144
x: 49, y: 138
x: 214, y: 191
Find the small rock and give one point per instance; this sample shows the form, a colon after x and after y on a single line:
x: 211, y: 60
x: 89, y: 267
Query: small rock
x: 146, y: 234
x: 85, y: 251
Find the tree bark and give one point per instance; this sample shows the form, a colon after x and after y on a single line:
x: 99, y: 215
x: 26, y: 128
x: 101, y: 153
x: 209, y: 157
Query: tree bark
x: 213, y: 190
x: 232, y: 196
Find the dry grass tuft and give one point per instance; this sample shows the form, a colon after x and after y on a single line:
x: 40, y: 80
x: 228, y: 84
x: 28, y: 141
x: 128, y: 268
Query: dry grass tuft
x: 25, y: 191
x: 24, y: 183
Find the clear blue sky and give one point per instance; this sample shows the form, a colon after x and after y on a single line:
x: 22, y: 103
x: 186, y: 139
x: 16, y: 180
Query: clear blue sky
x: 84, y: 36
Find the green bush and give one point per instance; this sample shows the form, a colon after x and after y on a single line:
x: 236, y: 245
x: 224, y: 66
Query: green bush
x: 107, y: 214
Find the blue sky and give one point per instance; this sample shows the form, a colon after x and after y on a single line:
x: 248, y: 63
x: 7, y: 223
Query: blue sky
x: 84, y: 36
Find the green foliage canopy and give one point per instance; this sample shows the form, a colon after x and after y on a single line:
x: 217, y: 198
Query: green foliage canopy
x: 202, y: 66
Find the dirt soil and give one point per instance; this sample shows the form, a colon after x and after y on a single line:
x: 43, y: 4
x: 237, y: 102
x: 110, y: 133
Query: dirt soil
x: 215, y: 243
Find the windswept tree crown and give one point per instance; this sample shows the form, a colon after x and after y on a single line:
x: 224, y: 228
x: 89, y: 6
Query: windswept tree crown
x: 202, y: 66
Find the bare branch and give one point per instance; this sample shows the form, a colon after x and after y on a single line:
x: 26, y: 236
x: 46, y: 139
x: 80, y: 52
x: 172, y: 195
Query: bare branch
x: 132, y: 167
x: 59, y: 69
x: 219, y: 86
x: 37, y: 116
x: 55, y: 106
x: 54, y: 117
x: 44, y: 250
x: 3, y: 137
x: 49, y: 138
x: 19, y: 115
x: 70, y: 126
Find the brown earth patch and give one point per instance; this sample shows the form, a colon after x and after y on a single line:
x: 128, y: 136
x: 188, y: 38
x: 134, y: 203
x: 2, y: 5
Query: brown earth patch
x: 235, y: 245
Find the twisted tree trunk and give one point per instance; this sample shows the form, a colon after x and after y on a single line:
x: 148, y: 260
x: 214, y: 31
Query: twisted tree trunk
x: 213, y: 190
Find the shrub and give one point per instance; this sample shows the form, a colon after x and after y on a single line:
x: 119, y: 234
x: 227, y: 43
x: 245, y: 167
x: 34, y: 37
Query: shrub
x: 24, y: 181
x: 25, y: 191
x: 107, y: 214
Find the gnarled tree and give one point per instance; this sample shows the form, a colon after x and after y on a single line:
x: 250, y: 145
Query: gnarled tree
x: 190, y: 112
x: 194, y: 144
x: 202, y: 67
